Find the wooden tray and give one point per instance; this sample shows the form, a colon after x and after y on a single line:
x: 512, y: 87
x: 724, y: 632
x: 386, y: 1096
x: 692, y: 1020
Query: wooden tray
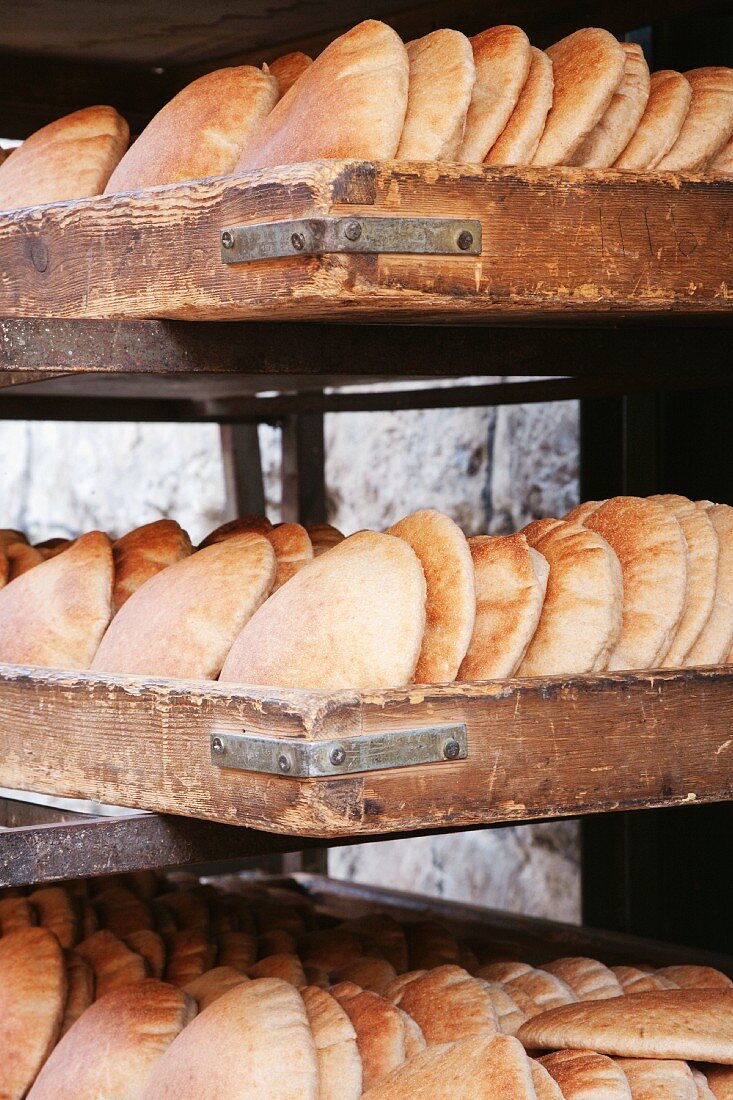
x: 536, y: 748
x: 557, y: 243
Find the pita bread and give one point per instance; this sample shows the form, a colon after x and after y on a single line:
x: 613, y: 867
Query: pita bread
x: 695, y: 977
x: 695, y: 1024
x: 55, y: 615
x: 288, y: 968
x: 518, y: 141
x: 448, y: 1004
x: 237, y: 949
x: 716, y: 637
x: 339, y: 1061
x: 190, y: 954
x: 142, y: 553
x: 702, y: 575
x: 16, y: 913
x: 442, y: 76
x: 331, y: 948
x: 609, y: 137
x: 8, y: 535
x: 381, y: 1034
x: 652, y: 551
x: 387, y: 933
x: 633, y: 980
x: 430, y: 944
x: 123, y: 912
x: 588, y: 67
x: 666, y: 110
x: 703, y: 1090
x: 450, y: 611
x: 183, y: 621
x: 80, y: 989
x: 212, y: 984
x: 201, y: 132
x: 323, y: 536
x: 293, y: 548
x: 57, y: 912
x: 350, y: 102
x: 150, y: 946
x: 352, y: 618
x: 537, y: 991
x: 509, y: 1015
x: 112, y: 1049
x: 393, y: 990
x: 188, y: 907
x: 589, y: 979
x: 480, y: 1068
x: 259, y: 525
x: 288, y: 68
x: 583, y: 1075
x: 368, y: 973
x: 709, y: 123
x: 580, y: 513
x: 4, y: 568
x: 114, y: 964
x: 71, y: 158
x: 502, y: 57
x: 252, y: 1043
x: 544, y: 1085
x: 652, y: 1079
x: 722, y: 164
x: 580, y: 622
x: 33, y: 988
x: 720, y: 1080
x: 21, y: 558
x: 510, y: 580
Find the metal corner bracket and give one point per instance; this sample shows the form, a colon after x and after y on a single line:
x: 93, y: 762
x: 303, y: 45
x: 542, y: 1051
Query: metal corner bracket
x: 294, y: 758
x: 357, y: 233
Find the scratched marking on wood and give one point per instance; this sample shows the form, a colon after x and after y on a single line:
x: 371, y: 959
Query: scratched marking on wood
x: 537, y: 749
x: 557, y: 242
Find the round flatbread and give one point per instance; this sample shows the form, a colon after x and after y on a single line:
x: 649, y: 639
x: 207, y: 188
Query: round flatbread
x: 288, y: 68
x: 518, y: 141
x: 502, y: 56
x: 588, y: 67
x: 610, y: 136
x: 581, y: 1075
x: 709, y: 123
x: 666, y: 110
x: 716, y: 637
x: 442, y: 76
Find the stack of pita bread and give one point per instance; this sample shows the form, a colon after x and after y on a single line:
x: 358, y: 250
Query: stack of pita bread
x: 628, y: 583
x: 136, y: 987
x: 588, y: 101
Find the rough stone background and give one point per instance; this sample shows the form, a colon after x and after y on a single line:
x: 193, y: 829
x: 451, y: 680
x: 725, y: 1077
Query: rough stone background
x: 491, y: 469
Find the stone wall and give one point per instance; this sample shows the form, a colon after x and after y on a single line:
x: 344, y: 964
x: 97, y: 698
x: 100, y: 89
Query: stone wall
x: 492, y: 470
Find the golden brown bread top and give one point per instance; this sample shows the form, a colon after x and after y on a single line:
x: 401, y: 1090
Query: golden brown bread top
x: 20, y: 558
x: 71, y: 158
x: 656, y: 1079
x: 368, y: 972
x: 15, y: 913
x: 448, y: 1004
x: 510, y: 581
x: 589, y: 979
x: 442, y: 76
x: 339, y: 1062
x: 380, y: 1032
x: 502, y: 56
x: 58, y: 912
x: 34, y: 985
x: 55, y: 615
x: 252, y: 1043
x: 293, y: 548
x: 633, y: 980
x: 485, y: 1066
x: 708, y: 125
x: 143, y: 552
x: 694, y: 1024
x: 716, y: 637
x: 517, y: 143
x: 151, y: 948
x: 666, y: 110
x: 695, y: 977
x: 8, y: 535
x: 584, y: 1075
x: 288, y: 68
x: 113, y: 963
x: 113, y: 1047
x: 450, y: 610
x: 260, y: 525
x: 201, y: 131
x: 588, y: 67
x: 610, y: 136
x: 544, y: 1085
x: 183, y: 621
x: 287, y: 967
x: 214, y: 983
x: 352, y: 618
x: 323, y: 536
x: 350, y: 102
x: 237, y: 948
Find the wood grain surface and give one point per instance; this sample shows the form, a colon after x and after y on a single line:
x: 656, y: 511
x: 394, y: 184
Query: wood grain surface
x: 537, y: 748
x: 562, y: 243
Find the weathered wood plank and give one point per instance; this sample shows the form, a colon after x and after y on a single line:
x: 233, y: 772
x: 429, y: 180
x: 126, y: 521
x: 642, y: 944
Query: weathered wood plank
x: 537, y: 749
x: 557, y: 243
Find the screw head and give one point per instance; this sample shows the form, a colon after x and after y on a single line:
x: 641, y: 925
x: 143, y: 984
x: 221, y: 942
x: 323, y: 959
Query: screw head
x: 283, y: 763
x: 227, y: 238
x: 217, y: 745
x: 337, y: 756
x: 465, y: 240
x: 352, y: 231
x: 298, y: 242
x: 451, y: 749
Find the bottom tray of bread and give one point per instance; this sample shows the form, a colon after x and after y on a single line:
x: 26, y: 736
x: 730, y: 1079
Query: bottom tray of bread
x: 139, y: 986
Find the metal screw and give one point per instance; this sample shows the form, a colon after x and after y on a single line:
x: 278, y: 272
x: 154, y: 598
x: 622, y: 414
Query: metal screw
x: 451, y: 749
x: 352, y: 232
x: 465, y: 240
x: 227, y: 239
x: 298, y: 242
x: 217, y: 746
x: 283, y: 763
x: 337, y: 756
